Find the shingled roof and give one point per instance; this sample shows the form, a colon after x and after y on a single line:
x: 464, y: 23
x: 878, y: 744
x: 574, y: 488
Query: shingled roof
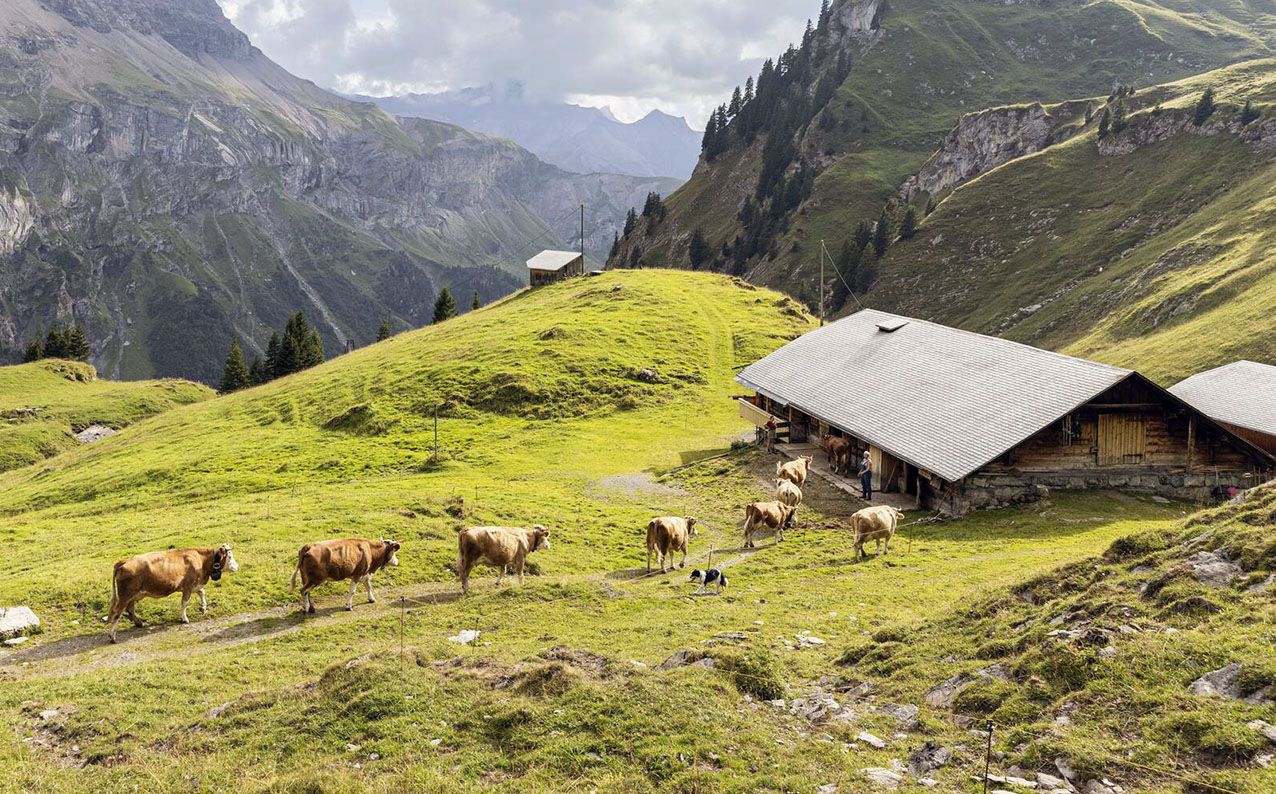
x: 552, y: 260
x: 1242, y: 393
x: 942, y: 399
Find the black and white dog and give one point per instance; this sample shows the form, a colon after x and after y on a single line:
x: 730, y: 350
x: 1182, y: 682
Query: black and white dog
x: 706, y: 578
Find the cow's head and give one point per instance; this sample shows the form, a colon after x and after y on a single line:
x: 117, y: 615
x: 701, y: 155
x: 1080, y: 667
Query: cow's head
x: 223, y: 561
x: 540, y: 537
x: 899, y: 514
x: 806, y: 460
x: 691, y: 526
x: 391, y: 551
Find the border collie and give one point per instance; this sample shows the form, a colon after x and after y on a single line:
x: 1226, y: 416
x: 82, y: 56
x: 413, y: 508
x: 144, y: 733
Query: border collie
x: 706, y: 578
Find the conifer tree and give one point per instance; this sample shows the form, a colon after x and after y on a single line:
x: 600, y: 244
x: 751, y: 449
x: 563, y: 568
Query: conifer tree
x: 698, y: 250
x: 1248, y: 113
x: 77, y: 344
x: 257, y: 372
x: 476, y: 303
x: 235, y: 372
x: 1105, y: 123
x: 1118, y: 117
x: 444, y: 307
x: 733, y: 109
x: 748, y: 91
x: 1204, y: 107
x: 273, y: 368
x: 383, y: 333
x: 631, y: 220
x: 883, y: 233
x: 908, y: 226
x: 56, y: 343
x: 615, y: 248
x: 863, y: 235
x: 312, y: 351
x: 34, y: 352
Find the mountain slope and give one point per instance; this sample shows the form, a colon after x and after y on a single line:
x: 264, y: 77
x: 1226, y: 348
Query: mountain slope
x: 579, y: 139
x: 43, y: 405
x: 1152, y: 247
x: 913, y: 68
x: 169, y: 186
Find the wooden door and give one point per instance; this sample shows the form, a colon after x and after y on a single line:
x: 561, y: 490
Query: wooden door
x: 1122, y: 439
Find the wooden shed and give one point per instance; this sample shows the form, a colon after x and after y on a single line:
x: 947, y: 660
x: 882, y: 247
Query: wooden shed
x: 550, y: 266
x: 1241, y: 396
x: 962, y: 421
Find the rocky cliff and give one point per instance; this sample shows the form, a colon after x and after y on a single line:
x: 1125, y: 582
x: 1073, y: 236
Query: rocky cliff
x: 169, y: 186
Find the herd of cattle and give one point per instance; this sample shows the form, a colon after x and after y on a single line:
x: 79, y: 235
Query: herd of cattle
x: 187, y: 571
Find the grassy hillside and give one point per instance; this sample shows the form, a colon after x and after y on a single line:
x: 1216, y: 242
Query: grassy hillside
x: 545, y: 416
x: 912, y: 77
x: 1099, y: 659
x: 43, y: 405
x: 1154, y: 250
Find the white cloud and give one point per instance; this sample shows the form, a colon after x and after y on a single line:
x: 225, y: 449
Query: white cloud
x: 681, y: 56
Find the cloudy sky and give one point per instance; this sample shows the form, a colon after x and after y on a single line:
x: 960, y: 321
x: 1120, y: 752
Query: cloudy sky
x: 681, y: 56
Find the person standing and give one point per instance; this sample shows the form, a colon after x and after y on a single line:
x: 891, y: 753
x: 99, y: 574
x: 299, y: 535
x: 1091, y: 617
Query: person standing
x: 866, y: 476
x: 771, y: 427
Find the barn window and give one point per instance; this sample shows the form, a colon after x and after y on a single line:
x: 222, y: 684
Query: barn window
x: 1071, y: 426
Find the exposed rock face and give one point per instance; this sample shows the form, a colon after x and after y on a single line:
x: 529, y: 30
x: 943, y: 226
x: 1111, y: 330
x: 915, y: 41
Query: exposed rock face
x: 982, y: 141
x: 165, y: 184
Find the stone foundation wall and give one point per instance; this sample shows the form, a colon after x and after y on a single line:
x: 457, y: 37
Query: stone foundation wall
x: 984, y: 490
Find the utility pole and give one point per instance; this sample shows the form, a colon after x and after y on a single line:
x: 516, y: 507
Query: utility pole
x: 823, y: 251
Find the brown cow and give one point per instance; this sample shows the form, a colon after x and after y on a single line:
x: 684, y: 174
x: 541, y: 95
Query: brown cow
x: 355, y: 559
x: 162, y: 573
x: 765, y: 515
x: 794, y: 471
x: 874, y: 523
x: 668, y: 535
x: 497, y: 547
x: 839, y: 453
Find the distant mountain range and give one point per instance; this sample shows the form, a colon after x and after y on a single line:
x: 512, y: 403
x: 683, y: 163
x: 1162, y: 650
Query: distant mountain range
x: 168, y: 186
x: 580, y: 139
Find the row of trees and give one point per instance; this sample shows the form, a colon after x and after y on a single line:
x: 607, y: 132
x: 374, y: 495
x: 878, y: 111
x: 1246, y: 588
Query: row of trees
x: 300, y: 347
x: 63, y: 341
x: 1114, y: 118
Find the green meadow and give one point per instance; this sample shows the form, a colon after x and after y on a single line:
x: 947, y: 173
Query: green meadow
x: 589, y: 407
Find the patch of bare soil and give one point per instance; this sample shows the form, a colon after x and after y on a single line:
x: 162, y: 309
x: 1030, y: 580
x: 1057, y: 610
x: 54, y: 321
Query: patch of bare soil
x: 639, y: 484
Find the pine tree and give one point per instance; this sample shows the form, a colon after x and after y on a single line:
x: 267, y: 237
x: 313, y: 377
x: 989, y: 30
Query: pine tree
x: 34, y: 352
x: 77, y: 344
x: 257, y: 373
x: 615, y: 247
x: 883, y: 233
x: 235, y: 373
x: 1248, y: 113
x: 709, y: 142
x: 733, y: 109
x: 55, y: 344
x: 312, y: 354
x: 1118, y: 117
x: 748, y: 91
x: 631, y: 220
x: 1204, y: 107
x: 908, y: 227
x: 698, y: 251
x: 273, y: 369
x: 383, y: 333
x: 1105, y: 123
x: 444, y: 307
x: 476, y: 303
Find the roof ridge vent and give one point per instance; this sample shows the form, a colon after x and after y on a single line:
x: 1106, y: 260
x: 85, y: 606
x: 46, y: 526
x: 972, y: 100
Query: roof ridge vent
x: 892, y: 325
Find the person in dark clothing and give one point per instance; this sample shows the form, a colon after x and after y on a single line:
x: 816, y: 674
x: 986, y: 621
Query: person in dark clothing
x: 771, y: 427
x: 866, y: 476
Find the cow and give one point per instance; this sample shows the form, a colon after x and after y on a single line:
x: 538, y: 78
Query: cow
x: 788, y: 493
x: 874, y: 523
x: 161, y: 573
x: 765, y: 515
x: 497, y: 547
x: 356, y: 559
x: 668, y: 535
x: 794, y: 471
x: 839, y: 453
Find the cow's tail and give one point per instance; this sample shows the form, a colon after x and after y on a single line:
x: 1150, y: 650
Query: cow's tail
x: 301, y: 555
x: 115, y: 584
